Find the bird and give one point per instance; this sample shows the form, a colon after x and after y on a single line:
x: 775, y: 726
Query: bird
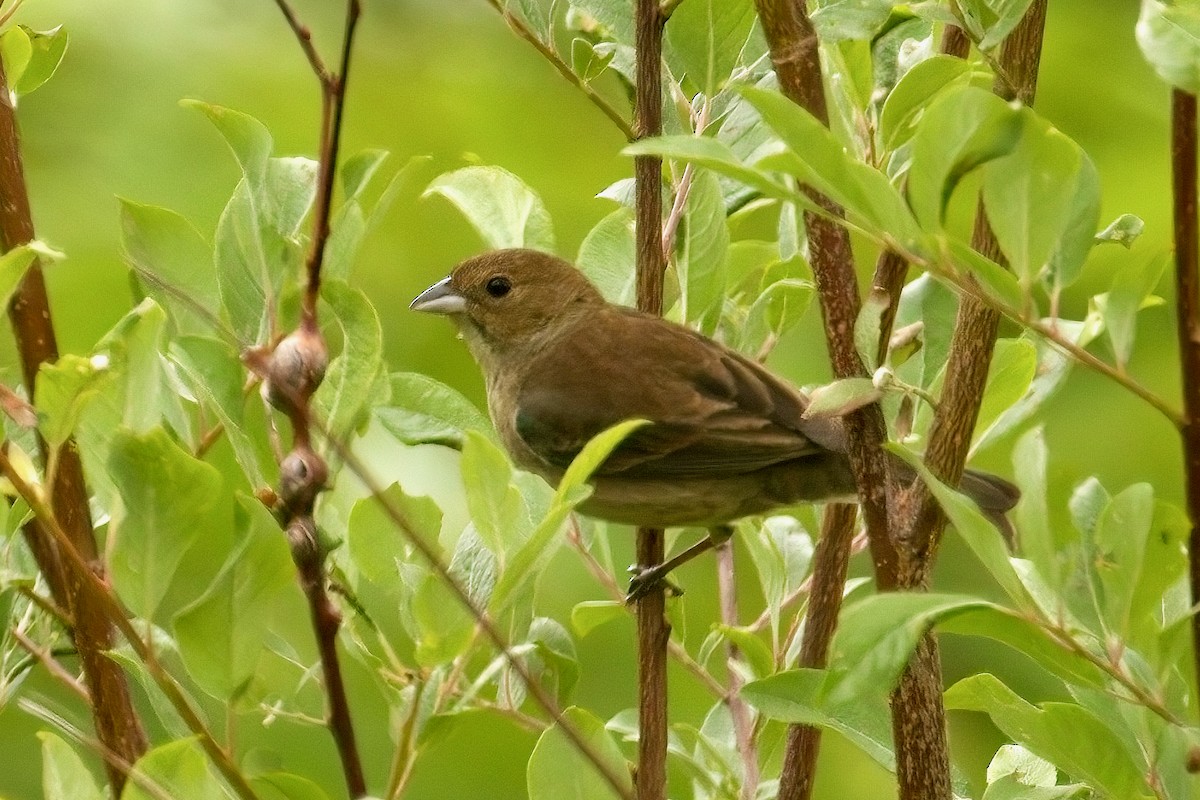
x: 725, y: 437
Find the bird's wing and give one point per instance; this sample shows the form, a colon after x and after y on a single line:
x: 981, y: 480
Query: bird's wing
x: 712, y: 411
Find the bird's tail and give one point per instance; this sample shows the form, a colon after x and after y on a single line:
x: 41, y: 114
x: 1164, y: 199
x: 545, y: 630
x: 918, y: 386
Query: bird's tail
x: 995, y: 498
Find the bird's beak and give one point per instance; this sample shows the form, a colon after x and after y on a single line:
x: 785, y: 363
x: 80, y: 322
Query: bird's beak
x: 440, y: 299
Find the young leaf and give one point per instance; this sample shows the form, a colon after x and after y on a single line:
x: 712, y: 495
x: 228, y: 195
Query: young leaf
x: 221, y: 634
x: 714, y: 155
x: 704, y: 245
x: 248, y: 138
x: 16, y: 51
x: 841, y: 397
x: 557, y: 770
x: 167, y: 502
x: 46, y: 51
x: 607, y: 257
x: 63, y: 389
x: 997, y: 18
x: 1131, y: 286
x: 837, y: 20
x: 904, y: 103
x: 499, y: 205
x: 591, y: 614
x: 1169, y: 35
x: 13, y: 265
x: 1124, y: 230
x: 775, y: 312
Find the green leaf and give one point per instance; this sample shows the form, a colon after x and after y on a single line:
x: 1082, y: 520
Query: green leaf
x: 556, y: 650
x: 775, y: 312
x: 997, y: 18
x: 13, y: 266
x: 704, y: 245
x: 174, y: 263
x: 168, y: 499
x: 16, y: 51
x: 1043, y: 203
x: 838, y: 20
x: 980, y: 534
x: 1065, y: 734
x: 712, y: 154
x: 180, y: 769
x: 286, y: 786
x: 343, y: 398
x: 816, y: 157
x: 841, y: 397
x: 373, y: 542
x: 905, y: 102
x: 358, y: 170
x: 443, y: 623
x: 866, y: 329
x: 215, y: 375
x: 704, y: 39
x: 1013, y: 367
x: 287, y: 193
x: 961, y: 130
x: 64, y: 389
x: 221, y: 634
x: 1169, y: 35
x: 495, y: 502
x: 1026, y: 636
x: 591, y: 614
x: 64, y: 775
x: 1131, y: 287
x: 876, y: 636
x: 248, y: 138
x: 248, y: 283
x: 499, y: 205
x: 47, y: 49
x: 607, y: 256
x: 1124, y: 230
x: 1015, y: 760
x: 536, y: 550
x: 798, y: 696
x: 1120, y: 540
x: 557, y: 770
x: 423, y: 410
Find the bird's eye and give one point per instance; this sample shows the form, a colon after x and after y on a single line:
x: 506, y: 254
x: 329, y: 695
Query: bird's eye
x: 498, y: 286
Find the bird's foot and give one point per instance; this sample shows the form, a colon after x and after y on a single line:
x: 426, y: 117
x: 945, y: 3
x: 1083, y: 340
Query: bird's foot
x: 647, y: 579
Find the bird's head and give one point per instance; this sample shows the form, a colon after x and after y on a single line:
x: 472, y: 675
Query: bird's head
x: 510, y: 301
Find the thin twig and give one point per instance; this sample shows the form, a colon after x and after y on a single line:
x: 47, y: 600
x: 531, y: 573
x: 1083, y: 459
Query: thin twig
x: 53, y: 666
x: 304, y: 37
x: 519, y: 27
x: 46, y: 604
x: 700, y: 122
x: 739, y: 711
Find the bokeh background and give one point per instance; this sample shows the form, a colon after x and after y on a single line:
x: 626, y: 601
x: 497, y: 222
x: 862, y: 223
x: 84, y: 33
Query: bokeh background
x: 446, y: 78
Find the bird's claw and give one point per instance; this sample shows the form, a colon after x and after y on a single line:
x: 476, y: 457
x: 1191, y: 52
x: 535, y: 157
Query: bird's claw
x: 645, y: 580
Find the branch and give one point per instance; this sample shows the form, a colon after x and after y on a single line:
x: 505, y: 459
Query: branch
x: 294, y: 372
x: 654, y: 632
x: 1187, y: 298
x: 918, y: 713
x: 117, y: 724
x: 518, y: 26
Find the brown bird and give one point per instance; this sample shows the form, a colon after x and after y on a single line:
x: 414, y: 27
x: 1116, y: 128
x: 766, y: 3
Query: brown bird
x: 726, y: 438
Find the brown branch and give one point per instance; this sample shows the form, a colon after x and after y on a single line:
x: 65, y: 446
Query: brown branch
x: 117, y: 723
x: 654, y: 632
x: 1187, y: 304
x: 518, y: 26
x: 918, y: 713
x: 739, y: 711
x: 294, y: 371
x: 94, y: 593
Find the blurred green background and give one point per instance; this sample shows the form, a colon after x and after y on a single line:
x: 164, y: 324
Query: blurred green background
x: 449, y: 80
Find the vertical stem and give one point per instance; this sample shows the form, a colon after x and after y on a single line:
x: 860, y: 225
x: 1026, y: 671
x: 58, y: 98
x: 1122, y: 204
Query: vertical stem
x: 1187, y: 289
x: 117, y: 724
x: 739, y: 711
x: 653, y: 630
